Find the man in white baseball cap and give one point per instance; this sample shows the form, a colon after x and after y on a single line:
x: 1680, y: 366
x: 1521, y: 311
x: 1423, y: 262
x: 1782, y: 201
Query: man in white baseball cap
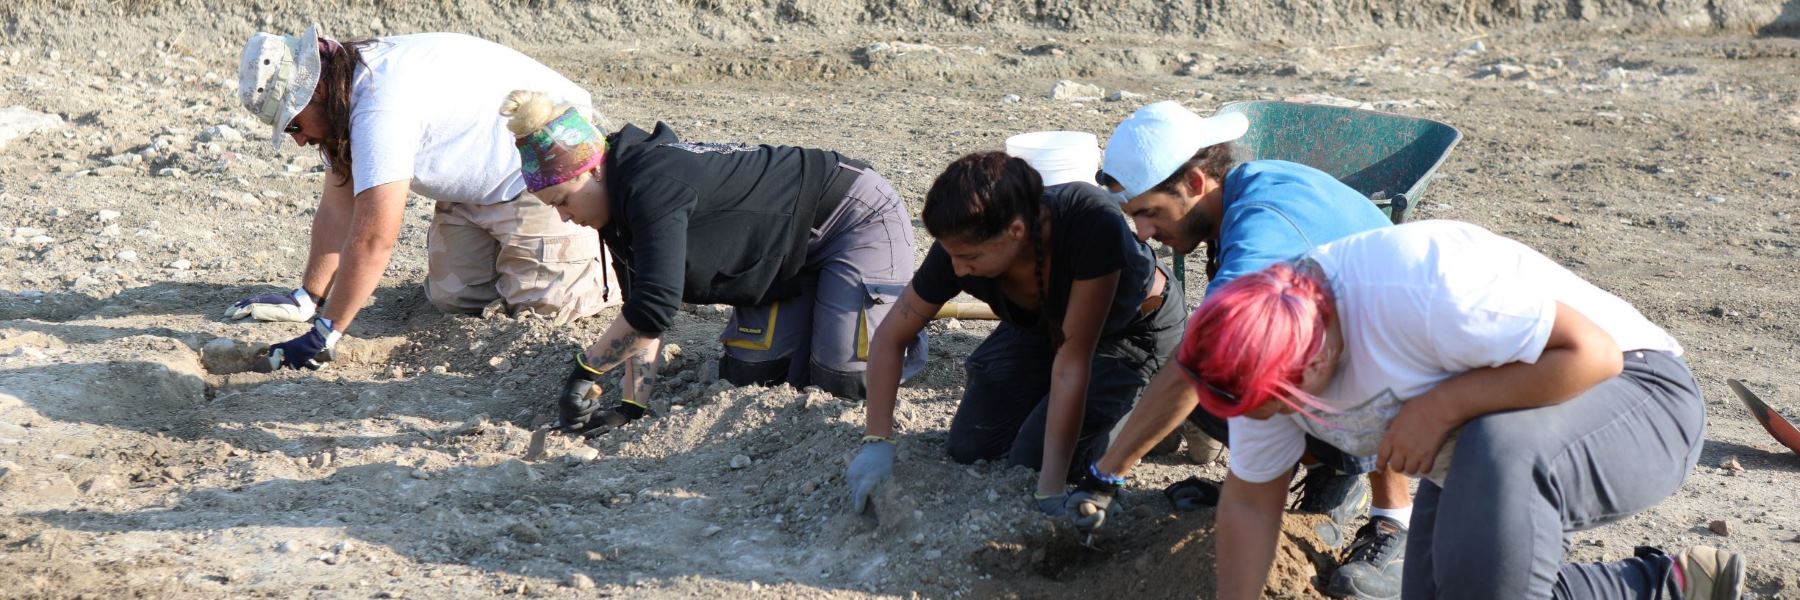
x: 1176, y: 177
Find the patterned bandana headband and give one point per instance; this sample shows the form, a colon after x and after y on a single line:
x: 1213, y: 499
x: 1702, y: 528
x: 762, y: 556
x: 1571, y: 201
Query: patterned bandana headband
x: 562, y: 149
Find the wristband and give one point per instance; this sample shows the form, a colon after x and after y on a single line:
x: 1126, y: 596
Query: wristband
x: 1095, y: 480
x: 581, y: 361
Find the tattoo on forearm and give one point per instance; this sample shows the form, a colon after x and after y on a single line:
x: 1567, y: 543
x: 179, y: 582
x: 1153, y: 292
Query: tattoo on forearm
x: 616, y: 352
x: 645, y: 365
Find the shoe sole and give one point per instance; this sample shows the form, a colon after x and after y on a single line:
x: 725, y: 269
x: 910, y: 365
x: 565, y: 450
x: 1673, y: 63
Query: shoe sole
x: 1729, y: 585
x: 1340, y: 588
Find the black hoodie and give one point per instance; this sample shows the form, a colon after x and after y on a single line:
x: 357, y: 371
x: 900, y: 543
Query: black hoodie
x: 711, y: 223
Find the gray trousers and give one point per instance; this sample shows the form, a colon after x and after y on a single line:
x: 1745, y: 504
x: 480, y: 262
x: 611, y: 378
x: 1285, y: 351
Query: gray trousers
x: 856, y: 266
x: 1520, y: 480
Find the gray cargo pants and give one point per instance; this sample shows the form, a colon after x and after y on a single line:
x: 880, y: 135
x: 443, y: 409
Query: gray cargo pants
x: 856, y: 266
x: 1520, y: 480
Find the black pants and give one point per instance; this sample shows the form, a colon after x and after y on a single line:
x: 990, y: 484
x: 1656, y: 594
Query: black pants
x: 1007, y: 399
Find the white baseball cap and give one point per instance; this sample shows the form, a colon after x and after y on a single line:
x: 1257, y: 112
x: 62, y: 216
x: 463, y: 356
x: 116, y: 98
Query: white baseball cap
x: 1150, y: 145
x: 276, y: 77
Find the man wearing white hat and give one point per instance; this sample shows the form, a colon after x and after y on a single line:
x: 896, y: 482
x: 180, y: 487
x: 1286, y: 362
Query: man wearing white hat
x: 1174, y: 174
x: 403, y: 114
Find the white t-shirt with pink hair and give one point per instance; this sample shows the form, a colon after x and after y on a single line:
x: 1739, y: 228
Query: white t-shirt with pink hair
x: 1420, y: 303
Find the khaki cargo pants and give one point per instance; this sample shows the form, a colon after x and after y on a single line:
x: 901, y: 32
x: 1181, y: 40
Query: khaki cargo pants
x: 520, y: 252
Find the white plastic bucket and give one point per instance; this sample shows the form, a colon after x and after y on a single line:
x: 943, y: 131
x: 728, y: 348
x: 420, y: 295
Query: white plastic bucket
x: 1058, y: 156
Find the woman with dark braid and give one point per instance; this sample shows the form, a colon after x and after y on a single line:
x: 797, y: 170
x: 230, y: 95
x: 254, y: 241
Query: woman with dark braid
x: 1086, y: 316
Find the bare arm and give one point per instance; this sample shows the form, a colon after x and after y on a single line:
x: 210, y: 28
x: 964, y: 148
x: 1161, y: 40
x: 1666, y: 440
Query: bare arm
x: 330, y: 227
x: 1089, y: 300
x: 887, y: 353
x: 1165, y: 403
x: 619, y: 344
x: 1249, y: 520
x: 374, y: 226
x: 1577, y: 356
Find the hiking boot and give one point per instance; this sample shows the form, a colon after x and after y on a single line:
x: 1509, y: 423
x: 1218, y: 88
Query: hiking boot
x: 1372, y: 569
x: 1708, y: 573
x: 1340, y: 496
x: 1201, y: 448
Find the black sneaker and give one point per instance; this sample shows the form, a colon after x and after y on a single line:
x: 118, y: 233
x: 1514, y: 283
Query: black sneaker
x: 1342, y: 497
x: 1372, y: 569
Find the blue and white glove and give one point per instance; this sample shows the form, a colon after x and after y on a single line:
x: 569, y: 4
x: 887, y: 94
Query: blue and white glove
x: 296, y: 307
x: 307, y: 351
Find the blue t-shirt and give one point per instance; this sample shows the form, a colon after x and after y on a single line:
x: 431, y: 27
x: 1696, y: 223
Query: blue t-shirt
x: 1277, y: 210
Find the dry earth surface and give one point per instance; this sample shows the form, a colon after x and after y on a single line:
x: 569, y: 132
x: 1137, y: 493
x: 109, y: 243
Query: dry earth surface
x: 1652, y: 152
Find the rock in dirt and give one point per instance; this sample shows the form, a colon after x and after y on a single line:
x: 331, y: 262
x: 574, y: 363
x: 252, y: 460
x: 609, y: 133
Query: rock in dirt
x: 225, y: 355
x: 18, y: 121
x: 1075, y: 90
x: 579, y: 581
x: 221, y: 133
x: 1010, y: 98
x: 287, y: 546
x: 1731, y: 464
x: 1122, y: 95
x: 1720, y: 527
x: 740, y: 462
x: 584, y: 453
x: 525, y: 533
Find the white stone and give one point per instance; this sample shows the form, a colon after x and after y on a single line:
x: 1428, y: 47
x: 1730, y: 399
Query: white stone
x: 221, y: 133
x: 1073, y: 90
x: 1122, y: 95
x: 740, y: 462
x: 181, y: 264
x: 18, y: 121
x: 106, y: 215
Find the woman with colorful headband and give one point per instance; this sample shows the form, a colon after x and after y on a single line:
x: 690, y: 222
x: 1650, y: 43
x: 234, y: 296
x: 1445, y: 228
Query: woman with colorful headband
x: 1531, y: 402
x: 809, y: 247
x: 1086, y: 317
x: 413, y: 113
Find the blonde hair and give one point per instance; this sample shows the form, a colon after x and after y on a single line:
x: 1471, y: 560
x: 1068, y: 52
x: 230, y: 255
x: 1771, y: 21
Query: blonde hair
x: 528, y: 111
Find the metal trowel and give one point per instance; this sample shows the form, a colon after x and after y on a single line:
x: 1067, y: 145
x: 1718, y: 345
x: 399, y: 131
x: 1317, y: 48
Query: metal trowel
x: 1780, y: 428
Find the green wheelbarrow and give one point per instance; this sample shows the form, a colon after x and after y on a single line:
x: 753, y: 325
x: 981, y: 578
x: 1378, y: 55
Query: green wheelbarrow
x: 1387, y: 157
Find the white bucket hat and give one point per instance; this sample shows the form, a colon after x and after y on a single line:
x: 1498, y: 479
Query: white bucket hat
x: 276, y: 77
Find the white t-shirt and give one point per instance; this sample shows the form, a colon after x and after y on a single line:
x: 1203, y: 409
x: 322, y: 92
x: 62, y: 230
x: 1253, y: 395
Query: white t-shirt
x: 1419, y: 303
x: 427, y: 108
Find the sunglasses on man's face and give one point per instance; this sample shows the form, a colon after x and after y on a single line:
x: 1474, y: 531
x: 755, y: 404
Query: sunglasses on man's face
x: 291, y: 129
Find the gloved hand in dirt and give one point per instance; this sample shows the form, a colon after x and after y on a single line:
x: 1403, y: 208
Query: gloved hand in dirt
x: 873, y: 464
x: 580, y: 397
x: 309, y: 351
x: 1093, y: 498
x: 296, y: 306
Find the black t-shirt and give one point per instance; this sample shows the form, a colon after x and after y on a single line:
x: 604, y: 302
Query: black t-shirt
x: 710, y: 223
x: 1088, y: 239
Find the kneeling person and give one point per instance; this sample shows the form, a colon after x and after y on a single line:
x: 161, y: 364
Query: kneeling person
x: 811, y: 248
x: 1086, y: 317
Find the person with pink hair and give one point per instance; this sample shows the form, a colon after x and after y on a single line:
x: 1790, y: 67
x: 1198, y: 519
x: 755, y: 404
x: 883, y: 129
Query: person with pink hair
x: 1532, y: 402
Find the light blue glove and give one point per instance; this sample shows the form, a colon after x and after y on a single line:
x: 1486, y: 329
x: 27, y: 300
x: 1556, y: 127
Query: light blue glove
x: 873, y: 465
x: 296, y: 306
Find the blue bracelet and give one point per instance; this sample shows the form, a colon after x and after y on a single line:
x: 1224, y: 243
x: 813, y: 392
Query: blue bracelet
x: 1112, y: 480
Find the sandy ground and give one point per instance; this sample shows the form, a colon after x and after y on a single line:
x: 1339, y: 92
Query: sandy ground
x: 138, y: 458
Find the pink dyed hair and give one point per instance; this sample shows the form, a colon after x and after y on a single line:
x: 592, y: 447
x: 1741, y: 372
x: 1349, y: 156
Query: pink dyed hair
x: 1250, y: 341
